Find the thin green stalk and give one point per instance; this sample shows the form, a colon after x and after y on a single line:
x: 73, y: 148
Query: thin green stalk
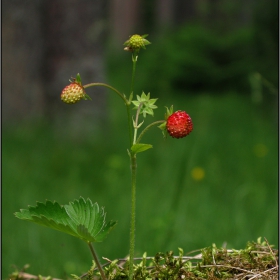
x: 136, y: 123
x: 129, y: 124
x: 146, y: 128
x: 132, y: 222
x: 133, y: 173
x: 134, y: 61
x: 108, y: 86
x: 97, y: 261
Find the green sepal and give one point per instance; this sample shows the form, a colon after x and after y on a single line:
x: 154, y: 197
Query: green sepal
x: 145, y: 41
x: 80, y: 218
x: 78, y: 79
x: 162, y: 127
x: 87, y: 97
x: 138, y: 148
x: 147, y: 104
x: 169, y: 112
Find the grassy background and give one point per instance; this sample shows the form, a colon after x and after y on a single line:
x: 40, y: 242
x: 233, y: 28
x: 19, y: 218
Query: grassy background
x: 219, y: 184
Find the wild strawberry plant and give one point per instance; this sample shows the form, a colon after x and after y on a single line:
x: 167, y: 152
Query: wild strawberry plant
x: 82, y: 218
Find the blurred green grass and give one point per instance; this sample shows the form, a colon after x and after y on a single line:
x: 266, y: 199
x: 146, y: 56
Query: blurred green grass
x: 217, y: 185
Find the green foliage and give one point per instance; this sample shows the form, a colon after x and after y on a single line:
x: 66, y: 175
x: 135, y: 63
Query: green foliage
x: 138, y: 148
x: 80, y: 218
x: 225, y: 179
x: 198, y: 58
x: 266, y: 39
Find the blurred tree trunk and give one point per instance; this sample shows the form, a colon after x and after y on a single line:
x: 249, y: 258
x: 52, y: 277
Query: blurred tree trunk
x: 124, y: 15
x: 184, y: 11
x: 164, y: 13
x: 45, y: 42
x: 23, y: 51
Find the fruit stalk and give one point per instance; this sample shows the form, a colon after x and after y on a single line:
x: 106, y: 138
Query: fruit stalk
x: 108, y: 86
x: 146, y: 129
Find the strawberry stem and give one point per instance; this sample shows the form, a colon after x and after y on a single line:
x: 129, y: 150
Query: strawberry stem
x: 135, y: 124
x: 133, y: 171
x: 134, y: 61
x: 132, y: 221
x: 110, y: 87
x: 97, y: 261
x: 146, y: 129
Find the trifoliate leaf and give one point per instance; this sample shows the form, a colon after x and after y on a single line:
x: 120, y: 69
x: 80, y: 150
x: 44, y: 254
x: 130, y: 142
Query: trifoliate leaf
x: 80, y: 218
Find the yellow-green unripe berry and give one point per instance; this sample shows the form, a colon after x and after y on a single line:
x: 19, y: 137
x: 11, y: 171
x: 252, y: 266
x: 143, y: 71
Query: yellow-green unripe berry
x: 73, y: 93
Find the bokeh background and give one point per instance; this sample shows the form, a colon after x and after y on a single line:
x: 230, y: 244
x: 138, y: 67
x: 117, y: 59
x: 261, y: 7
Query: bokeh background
x: 215, y: 59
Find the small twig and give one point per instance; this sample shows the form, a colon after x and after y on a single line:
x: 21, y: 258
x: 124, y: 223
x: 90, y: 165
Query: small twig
x: 228, y: 266
x: 271, y: 252
x: 24, y: 275
x: 186, y: 258
x: 194, y: 251
x: 262, y: 273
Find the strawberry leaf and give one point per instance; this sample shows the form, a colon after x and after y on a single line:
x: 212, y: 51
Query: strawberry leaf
x: 80, y: 218
x: 137, y: 148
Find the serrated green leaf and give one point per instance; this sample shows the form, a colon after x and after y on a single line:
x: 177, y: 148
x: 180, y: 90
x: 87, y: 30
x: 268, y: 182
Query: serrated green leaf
x: 80, y: 218
x: 137, y: 148
x: 51, y: 215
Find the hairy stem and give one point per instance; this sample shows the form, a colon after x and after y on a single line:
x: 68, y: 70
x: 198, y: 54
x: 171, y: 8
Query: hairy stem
x: 97, y: 261
x: 133, y: 206
x: 128, y: 109
x: 133, y: 167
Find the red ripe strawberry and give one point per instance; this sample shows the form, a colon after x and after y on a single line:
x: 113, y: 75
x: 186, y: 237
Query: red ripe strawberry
x: 179, y: 124
x: 73, y: 93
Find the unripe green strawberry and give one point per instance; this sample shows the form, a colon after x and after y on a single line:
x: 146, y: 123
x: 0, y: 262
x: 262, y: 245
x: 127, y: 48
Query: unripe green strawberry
x: 136, y: 42
x: 73, y: 93
x: 179, y: 124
